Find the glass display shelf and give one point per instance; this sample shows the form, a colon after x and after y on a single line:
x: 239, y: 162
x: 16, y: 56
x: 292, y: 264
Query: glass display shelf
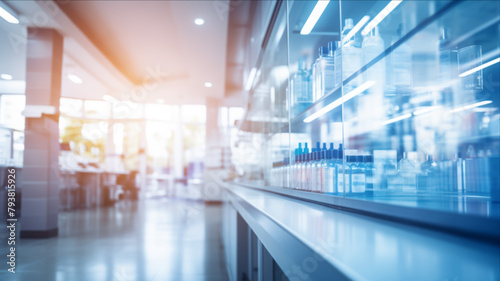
x: 390, y: 102
x: 456, y: 215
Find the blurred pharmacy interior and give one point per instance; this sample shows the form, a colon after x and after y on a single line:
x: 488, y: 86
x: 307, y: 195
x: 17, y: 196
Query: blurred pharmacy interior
x: 250, y: 140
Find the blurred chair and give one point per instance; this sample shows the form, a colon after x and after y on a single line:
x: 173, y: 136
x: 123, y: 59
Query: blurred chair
x: 128, y: 183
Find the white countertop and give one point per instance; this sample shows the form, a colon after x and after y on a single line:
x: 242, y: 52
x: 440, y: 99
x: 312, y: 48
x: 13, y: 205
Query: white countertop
x: 368, y: 248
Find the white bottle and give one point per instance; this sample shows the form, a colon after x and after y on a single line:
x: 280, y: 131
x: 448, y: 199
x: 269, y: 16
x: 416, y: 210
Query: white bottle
x: 402, y: 66
x: 300, y: 89
x: 304, y: 167
x: 323, y: 74
x: 407, y: 171
x: 347, y: 58
x: 373, y: 46
x: 329, y: 172
x: 311, y: 165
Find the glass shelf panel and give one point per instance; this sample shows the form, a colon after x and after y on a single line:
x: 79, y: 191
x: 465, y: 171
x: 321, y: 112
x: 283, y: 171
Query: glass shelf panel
x: 430, y: 110
x: 417, y: 112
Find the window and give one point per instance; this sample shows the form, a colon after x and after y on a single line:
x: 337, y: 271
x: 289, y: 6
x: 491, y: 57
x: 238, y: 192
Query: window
x: 127, y: 110
x: 88, y: 136
x: 160, y: 144
x: 71, y: 107
x: 223, y: 117
x: 193, y: 114
x: 18, y: 148
x: 160, y: 112
x: 97, y: 109
x: 11, y: 110
x: 5, y: 145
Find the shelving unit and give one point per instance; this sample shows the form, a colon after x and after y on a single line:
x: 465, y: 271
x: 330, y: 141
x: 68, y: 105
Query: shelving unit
x: 428, y: 118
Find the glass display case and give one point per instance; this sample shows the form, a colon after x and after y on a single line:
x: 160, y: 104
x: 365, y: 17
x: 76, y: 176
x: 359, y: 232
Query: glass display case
x: 393, y: 102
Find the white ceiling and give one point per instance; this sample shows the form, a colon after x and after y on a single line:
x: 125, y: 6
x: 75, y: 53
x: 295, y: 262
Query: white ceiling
x: 136, y: 50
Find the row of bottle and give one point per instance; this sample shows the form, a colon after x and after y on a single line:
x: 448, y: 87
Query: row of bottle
x: 323, y: 170
x: 341, y: 59
x: 472, y: 174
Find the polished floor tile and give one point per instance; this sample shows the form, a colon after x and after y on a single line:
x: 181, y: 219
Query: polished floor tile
x: 154, y: 239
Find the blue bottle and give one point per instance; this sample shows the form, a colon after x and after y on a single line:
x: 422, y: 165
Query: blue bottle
x: 298, y: 185
x: 329, y: 172
x: 301, y: 91
x: 430, y: 172
x: 324, y: 147
x: 320, y: 172
x: 317, y: 169
x: 311, y: 180
x: 323, y: 74
x: 305, y: 159
x: 296, y: 167
x: 342, y: 177
x: 346, y: 173
x: 370, y: 176
x: 358, y: 176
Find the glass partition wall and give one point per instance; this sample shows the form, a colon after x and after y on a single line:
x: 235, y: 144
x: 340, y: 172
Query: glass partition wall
x: 262, y: 145
x: 426, y: 115
x: 393, y: 102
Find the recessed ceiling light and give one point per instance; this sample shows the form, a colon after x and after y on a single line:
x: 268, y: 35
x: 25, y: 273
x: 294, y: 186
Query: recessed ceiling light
x: 6, y: 76
x: 75, y: 79
x: 8, y: 14
x: 208, y: 84
x: 199, y: 21
x: 160, y: 101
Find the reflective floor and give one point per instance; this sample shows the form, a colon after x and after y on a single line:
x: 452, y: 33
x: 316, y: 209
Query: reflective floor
x: 155, y: 239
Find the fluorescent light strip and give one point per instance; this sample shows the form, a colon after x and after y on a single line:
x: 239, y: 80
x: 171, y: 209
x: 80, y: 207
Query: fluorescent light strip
x: 8, y: 16
x: 399, y: 118
x: 482, y: 66
x: 426, y: 110
x: 381, y: 16
x: 251, y: 77
x: 355, y: 29
x: 470, y: 106
x: 474, y: 31
x: 365, y: 86
x: 75, y: 79
x: 480, y: 59
x: 314, y: 16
